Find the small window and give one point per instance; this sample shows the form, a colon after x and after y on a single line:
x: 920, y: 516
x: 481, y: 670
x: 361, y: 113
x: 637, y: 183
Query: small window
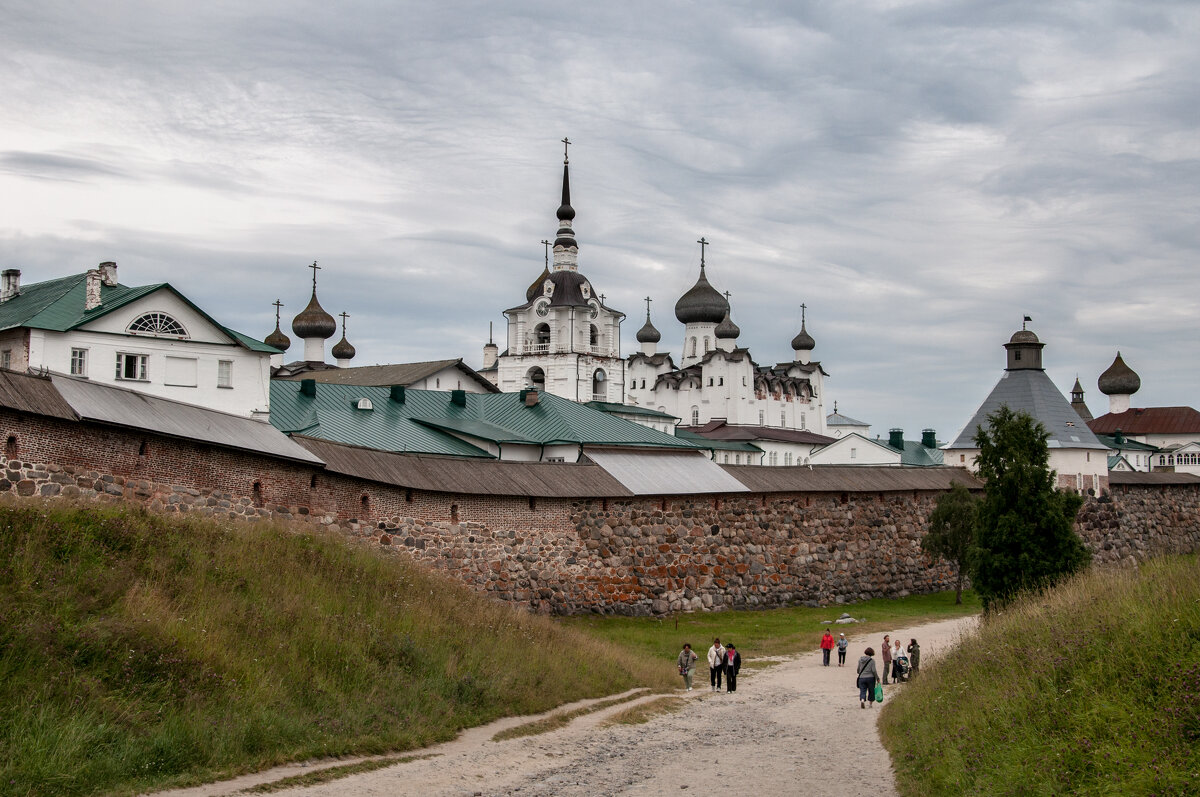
x: 1017, y: 354
x: 6, y: 358
x: 761, y: 418
x: 79, y: 362
x: 695, y: 416
x: 706, y: 349
x: 363, y: 404
x: 132, y: 367
x: 720, y: 380
x: 11, y: 449
x: 710, y: 381
x: 556, y: 459
x: 787, y: 459
x: 737, y: 459
x: 783, y: 419
x: 726, y: 457
x: 159, y: 325
x: 854, y: 453
x: 224, y: 373
x: 693, y: 347
x: 803, y: 421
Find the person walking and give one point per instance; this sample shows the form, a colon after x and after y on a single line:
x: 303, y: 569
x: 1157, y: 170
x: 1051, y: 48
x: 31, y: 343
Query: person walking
x: 897, y: 654
x: 733, y: 663
x: 887, y: 657
x: 687, y: 664
x: 842, y: 644
x: 716, y: 664
x: 826, y: 647
x: 914, y: 656
x: 867, y: 675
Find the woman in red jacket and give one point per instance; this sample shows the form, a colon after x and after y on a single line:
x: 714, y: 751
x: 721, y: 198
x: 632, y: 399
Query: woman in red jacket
x: 826, y: 646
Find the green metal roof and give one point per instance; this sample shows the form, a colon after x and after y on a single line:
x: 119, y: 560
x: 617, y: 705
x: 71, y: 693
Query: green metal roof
x: 428, y: 420
x: 58, y: 306
x: 915, y: 453
x: 629, y: 409
x: 718, y: 445
x: 1126, y: 444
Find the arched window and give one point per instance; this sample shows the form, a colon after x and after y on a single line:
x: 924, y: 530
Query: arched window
x: 535, y: 377
x: 695, y: 416
x: 706, y: 349
x: 594, y: 336
x: 693, y: 347
x: 643, y: 384
x: 541, y: 334
x: 761, y: 418
x: 159, y: 325
x: 599, y: 389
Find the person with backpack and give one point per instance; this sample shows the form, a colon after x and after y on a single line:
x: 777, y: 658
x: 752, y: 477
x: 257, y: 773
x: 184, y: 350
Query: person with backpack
x: 842, y: 644
x: 867, y: 676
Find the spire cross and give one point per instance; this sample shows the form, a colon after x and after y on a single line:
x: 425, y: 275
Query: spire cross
x: 703, y: 243
x: 648, y: 300
x: 546, y: 245
x: 315, y: 269
x: 602, y: 298
x: 344, y: 316
x: 278, y: 304
x: 566, y: 143
x: 803, y: 313
x: 726, y: 296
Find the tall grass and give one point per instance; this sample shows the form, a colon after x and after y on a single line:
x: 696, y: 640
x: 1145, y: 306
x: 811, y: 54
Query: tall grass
x: 137, y: 652
x: 1092, y: 688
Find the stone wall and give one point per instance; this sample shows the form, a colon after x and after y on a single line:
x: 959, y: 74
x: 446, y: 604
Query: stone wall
x: 628, y: 556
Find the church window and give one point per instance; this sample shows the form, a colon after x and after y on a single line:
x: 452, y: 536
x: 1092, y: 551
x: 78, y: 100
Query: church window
x: 224, y: 373
x: 159, y: 325
x: 783, y: 419
x: 774, y: 458
x: 726, y: 457
x: 737, y: 459
x: 6, y: 358
x: 706, y: 344
x: 710, y: 381
x: 1017, y: 354
x: 720, y: 380
x: 599, y: 390
x: 854, y: 453
x: 79, y: 362
x: 541, y: 335
x: 131, y: 366
x: 535, y: 377
x: 693, y: 347
x: 695, y: 416
x: 643, y: 384
x: 594, y: 336
x: 803, y: 422
x: 787, y: 458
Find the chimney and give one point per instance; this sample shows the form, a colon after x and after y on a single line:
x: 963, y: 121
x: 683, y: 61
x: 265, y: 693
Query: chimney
x: 491, y: 352
x: 896, y: 439
x: 308, y: 387
x: 10, y: 284
x: 929, y: 438
x: 529, y: 397
x: 92, y: 289
x: 108, y: 271
x: 458, y: 398
x: 397, y: 394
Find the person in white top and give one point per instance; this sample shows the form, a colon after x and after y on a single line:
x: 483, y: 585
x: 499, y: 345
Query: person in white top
x: 716, y: 664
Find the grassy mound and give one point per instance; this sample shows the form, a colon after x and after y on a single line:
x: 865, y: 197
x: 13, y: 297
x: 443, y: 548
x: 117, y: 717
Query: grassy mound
x: 138, y: 652
x: 1093, y: 688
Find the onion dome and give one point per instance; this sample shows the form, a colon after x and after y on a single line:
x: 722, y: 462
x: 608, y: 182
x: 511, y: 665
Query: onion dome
x: 701, y: 304
x: 342, y: 350
x: 277, y: 338
x: 648, y: 334
x: 1119, y: 379
x: 535, y: 288
x: 313, y: 321
x: 803, y: 341
x: 727, y: 330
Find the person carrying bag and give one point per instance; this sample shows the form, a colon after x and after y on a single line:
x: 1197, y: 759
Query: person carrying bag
x: 868, y: 677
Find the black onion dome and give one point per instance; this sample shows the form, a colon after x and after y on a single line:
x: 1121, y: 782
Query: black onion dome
x: 313, y: 321
x: 565, y: 211
x: 278, y: 339
x: 803, y: 341
x: 701, y: 304
x: 1023, y: 336
x: 727, y: 330
x: 342, y: 350
x: 1119, y: 379
x: 648, y: 334
x: 535, y: 288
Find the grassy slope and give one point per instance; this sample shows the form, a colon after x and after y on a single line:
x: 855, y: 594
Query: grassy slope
x: 138, y: 652
x: 1093, y: 688
x: 771, y: 632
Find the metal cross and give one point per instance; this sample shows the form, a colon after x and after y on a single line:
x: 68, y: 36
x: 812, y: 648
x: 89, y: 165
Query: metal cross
x: 278, y: 304
x: 803, y: 308
x: 703, y: 243
x: 566, y: 143
x: 648, y: 300
x: 344, y: 316
x: 602, y: 298
x: 315, y: 268
x: 726, y: 296
x: 546, y: 244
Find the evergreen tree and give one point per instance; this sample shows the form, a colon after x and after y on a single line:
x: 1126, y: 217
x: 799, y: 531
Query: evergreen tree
x: 1026, y: 537
x: 952, y: 531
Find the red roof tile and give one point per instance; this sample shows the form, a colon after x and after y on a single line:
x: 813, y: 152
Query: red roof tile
x: 1149, y: 420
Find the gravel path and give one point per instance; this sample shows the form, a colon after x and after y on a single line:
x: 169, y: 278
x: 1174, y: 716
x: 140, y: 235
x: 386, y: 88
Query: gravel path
x: 786, y: 729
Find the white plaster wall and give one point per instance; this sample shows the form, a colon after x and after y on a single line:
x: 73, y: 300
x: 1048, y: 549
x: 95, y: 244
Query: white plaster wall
x: 449, y: 378
x: 854, y: 450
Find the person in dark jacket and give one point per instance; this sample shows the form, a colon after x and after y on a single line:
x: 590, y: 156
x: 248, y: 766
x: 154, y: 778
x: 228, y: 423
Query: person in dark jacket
x: 867, y: 676
x: 887, y: 657
x: 733, y: 663
x: 914, y: 656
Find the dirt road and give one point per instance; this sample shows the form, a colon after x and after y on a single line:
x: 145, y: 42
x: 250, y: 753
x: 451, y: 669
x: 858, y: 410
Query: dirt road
x: 786, y: 729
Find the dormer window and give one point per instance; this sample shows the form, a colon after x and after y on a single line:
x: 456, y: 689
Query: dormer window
x: 363, y: 404
x: 158, y: 325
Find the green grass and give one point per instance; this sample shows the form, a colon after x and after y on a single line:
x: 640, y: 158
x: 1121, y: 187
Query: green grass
x: 644, y: 712
x: 560, y: 720
x: 330, y: 774
x: 1091, y: 689
x: 138, y: 652
x: 771, y: 632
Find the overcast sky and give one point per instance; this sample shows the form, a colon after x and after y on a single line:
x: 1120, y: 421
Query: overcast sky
x: 920, y: 175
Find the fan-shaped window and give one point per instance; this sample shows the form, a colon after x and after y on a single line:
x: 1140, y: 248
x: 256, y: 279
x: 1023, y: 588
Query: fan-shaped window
x: 159, y: 325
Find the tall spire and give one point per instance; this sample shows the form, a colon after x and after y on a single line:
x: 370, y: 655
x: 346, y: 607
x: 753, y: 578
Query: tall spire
x: 566, y: 249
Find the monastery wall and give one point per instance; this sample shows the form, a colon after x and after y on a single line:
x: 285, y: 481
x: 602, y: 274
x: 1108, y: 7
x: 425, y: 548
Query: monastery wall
x: 626, y: 556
